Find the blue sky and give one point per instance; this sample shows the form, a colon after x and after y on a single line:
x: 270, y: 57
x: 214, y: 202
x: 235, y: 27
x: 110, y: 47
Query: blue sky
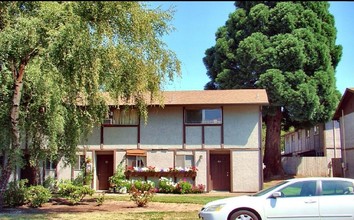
x: 196, y: 23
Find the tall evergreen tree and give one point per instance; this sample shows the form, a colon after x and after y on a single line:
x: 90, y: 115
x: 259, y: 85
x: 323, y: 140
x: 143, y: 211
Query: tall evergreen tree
x: 55, y: 60
x: 287, y: 48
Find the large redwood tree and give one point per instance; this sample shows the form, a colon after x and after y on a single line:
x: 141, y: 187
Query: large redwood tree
x: 287, y: 48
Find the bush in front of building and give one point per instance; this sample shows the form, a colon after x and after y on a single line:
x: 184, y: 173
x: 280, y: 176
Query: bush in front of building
x: 166, y: 185
x: 73, y: 193
x: 15, y: 194
x: 37, y: 195
x: 181, y: 187
x: 142, y: 192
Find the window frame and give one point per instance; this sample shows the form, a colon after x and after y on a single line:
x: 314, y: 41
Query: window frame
x: 140, y: 161
x: 339, y: 188
x: 299, y: 189
x: 122, y: 117
x: 204, y: 114
x: 80, y: 162
x: 51, y: 165
x: 184, y: 160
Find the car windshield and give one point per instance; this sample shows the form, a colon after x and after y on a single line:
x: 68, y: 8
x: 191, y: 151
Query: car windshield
x: 265, y: 191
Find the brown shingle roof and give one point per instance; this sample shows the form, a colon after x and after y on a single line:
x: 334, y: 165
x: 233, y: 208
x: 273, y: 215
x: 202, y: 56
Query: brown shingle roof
x: 209, y: 97
x: 348, y: 95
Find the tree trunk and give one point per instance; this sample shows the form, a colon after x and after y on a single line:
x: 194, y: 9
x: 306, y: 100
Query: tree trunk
x: 10, y: 157
x: 272, y: 154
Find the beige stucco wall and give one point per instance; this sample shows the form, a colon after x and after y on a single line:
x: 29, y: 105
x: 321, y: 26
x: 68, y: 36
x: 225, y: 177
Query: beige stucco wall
x: 120, y: 137
x: 348, y: 145
x: 194, y: 137
x: 164, y: 129
x: 94, y: 138
x: 164, y: 133
x: 64, y: 172
x: 212, y: 136
x: 160, y: 158
x: 245, y: 167
x: 348, y: 128
x: 201, y: 163
x: 241, y: 126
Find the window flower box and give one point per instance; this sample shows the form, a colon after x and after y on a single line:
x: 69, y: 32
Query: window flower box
x: 153, y: 172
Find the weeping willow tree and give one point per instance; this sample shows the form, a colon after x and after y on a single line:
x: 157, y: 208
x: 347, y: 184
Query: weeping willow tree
x: 56, y: 58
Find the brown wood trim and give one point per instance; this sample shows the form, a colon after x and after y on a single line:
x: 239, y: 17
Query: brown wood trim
x: 203, y: 137
x: 123, y: 126
x: 208, y: 170
x: 184, y: 128
x: 231, y: 171
x: 199, y: 125
x: 222, y: 127
x: 138, y: 137
x: 260, y: 149
x: 102, y: 139
x: 114, y: 160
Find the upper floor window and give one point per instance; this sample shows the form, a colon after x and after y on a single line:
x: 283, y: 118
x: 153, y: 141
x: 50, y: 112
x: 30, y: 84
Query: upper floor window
x: 316, y: 129
x: 124, y: 116
x: 307, y: 133
x: 203, y: 116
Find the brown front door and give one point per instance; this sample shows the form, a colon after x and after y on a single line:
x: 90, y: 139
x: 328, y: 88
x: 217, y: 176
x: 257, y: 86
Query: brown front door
x: 220, y: 171
x: 104, y: 171
x: 28, y: 172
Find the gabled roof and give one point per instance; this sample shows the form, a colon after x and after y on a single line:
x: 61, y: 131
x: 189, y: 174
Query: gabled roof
x: 208, y: 97
x: 346, y: 98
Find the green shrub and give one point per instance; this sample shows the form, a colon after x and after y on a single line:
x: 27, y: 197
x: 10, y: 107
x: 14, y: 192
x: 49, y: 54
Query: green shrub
x: 51, y: 183
x: 118, y: 180
x: 183, y: 187
x: 73, y: 193
x: 198, y: 189
x: 100, y: 199
x: 15, y: 194
x: 37, y: 195
x: 142, y: 192
x: 166, y: 185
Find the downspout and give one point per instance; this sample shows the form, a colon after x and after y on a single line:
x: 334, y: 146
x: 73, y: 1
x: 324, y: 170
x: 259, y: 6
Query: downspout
x: 343, y: 145
x: 260, y: 149
x: 334, y: 140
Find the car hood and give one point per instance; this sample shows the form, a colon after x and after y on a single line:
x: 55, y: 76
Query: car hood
x: 232, y: 200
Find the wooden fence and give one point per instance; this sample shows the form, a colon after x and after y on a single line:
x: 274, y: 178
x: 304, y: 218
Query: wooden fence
x: 307, y: 166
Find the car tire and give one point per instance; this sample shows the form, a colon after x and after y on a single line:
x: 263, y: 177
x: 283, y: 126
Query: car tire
x: 243, y: 215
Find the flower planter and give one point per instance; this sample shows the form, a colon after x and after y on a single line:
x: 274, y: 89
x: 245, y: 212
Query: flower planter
x: 174, y: 174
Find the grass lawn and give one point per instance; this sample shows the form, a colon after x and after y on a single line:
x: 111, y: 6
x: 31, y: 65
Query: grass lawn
x: 199, y: 199
x: 104, y: 215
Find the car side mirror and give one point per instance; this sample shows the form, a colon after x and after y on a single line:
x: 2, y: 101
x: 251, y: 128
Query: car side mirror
x: 276, y: 195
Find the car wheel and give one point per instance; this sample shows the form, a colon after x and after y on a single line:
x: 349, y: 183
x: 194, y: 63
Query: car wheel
x: 243, y: 215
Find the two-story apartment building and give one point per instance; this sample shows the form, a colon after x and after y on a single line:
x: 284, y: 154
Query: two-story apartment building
x: 345, y: 115
x: 217, y: 131
x: 313, y: 151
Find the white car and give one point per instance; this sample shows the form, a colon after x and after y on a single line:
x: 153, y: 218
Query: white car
x: 322, y: 198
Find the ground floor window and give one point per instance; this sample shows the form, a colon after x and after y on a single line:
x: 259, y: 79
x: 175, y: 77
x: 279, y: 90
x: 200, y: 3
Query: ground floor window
x: 184, y: 161
x: 80, y: 161
x: 50, y: 165
x: 136, y: 161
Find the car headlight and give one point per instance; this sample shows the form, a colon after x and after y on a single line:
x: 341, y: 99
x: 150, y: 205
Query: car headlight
x: 214, y: 208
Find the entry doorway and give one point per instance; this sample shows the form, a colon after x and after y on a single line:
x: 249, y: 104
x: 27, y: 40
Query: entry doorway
x: 220, y: 171
x: 104, y: 170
